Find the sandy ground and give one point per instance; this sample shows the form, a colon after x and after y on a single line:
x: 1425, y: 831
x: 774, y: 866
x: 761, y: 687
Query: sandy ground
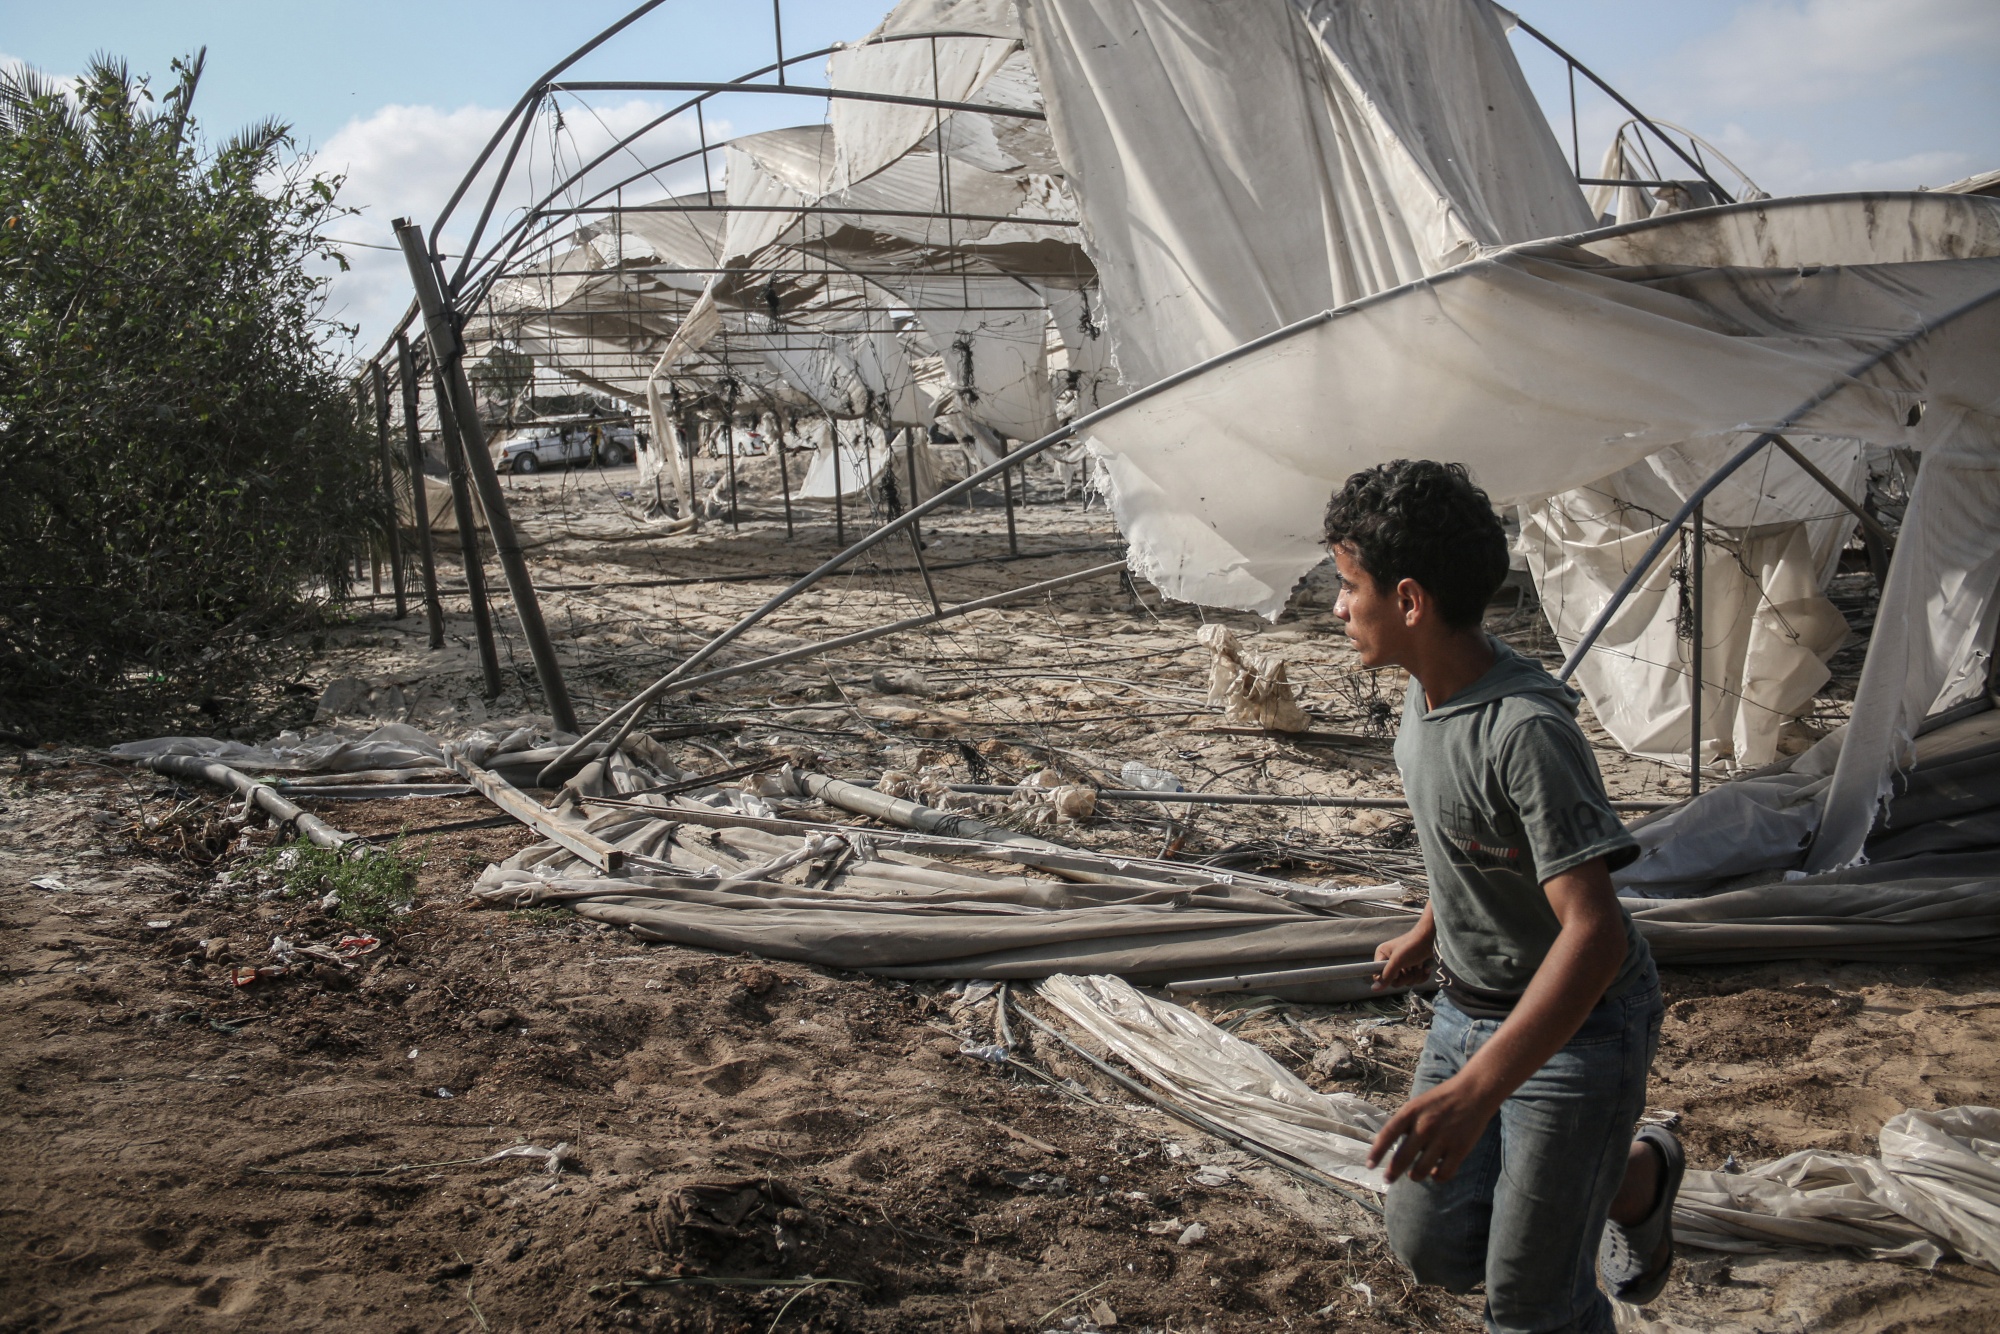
x: 760, y: 1146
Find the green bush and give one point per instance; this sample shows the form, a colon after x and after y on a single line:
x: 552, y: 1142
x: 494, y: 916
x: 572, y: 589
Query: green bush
x: 370, y: 885
x: 185, y: 474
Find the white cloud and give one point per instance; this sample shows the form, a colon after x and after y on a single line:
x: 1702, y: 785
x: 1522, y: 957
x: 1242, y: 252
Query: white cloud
x: 1790, y: 52
x: 405, y: 161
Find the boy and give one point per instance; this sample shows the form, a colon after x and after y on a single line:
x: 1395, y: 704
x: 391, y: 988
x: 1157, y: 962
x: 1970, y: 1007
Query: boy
x: 1516, y: 1143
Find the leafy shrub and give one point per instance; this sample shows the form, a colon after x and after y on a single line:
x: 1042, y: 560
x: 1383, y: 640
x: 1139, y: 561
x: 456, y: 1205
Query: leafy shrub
x: 369, y: 885
x: 185, y: 474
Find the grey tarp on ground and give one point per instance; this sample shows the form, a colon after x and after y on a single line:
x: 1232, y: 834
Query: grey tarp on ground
x: 1149, y: 936
x: 1193, y: 934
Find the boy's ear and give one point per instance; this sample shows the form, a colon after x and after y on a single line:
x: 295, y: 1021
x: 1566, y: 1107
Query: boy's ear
x: 1412, y: 600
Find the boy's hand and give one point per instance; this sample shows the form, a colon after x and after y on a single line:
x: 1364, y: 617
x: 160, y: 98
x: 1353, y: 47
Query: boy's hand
x: 1438, y: 1129
x: 1407, y: 959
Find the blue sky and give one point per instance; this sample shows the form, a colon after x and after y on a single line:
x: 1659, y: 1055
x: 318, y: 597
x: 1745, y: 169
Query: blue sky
x: 1804, y: 95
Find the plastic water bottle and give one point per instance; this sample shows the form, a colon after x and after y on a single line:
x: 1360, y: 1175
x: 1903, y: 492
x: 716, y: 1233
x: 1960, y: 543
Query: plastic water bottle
x: 1145, y: 778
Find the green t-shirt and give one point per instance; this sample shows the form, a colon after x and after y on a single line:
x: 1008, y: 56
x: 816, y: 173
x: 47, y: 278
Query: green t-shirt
x: 1505, y: 795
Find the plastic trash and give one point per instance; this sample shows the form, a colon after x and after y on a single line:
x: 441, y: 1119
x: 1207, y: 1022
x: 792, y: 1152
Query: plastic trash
x: 1145, y: 778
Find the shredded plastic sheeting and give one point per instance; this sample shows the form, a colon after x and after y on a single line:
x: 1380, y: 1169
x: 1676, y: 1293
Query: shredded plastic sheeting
x: 391, y: 746
x: 1934, y: 633
x: 1253, y: 688
x: 1226, y: 1079
x: 1549, y: 365
x: 1757, y: 829
x: 1766, y: 627
x: 1935, y: 1191
x: 1242, y: 166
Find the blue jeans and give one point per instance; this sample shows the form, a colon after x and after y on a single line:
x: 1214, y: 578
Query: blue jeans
x: 1526, y: 1209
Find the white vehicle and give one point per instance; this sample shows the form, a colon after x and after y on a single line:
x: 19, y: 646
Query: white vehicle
x: 565, y: 444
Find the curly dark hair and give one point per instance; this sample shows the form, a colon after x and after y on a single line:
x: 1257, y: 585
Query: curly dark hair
x: 1415, y: 519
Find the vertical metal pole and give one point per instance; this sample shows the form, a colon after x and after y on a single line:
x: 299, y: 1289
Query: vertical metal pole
x: 784, y: 474
x: 693, y: 441
x: 447, y: 354
x: 839, y: 506
x: 778, y: 35
x: 468, y: 538
x: 1007, y: 490
x: 1694, y: 655
x: 420, y: 501
x: 916, y: 533
x: 729, y: 444
x: 381, y: 380
x: 701, y: 136
x: 1575, y: 135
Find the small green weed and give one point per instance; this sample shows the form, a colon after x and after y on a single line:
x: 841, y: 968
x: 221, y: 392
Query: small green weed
x: 545, y: 918
x: 368, y: 889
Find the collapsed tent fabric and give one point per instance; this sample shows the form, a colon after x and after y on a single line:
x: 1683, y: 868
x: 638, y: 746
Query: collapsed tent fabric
x: 1547, y: 366
x: 982, y: 35
x: 1934, y: 632
x: 1944, y: 807
x: 1242, y: 166
x: 716, y: 893
x: 1935, y: 1190
x: 1766, y: 630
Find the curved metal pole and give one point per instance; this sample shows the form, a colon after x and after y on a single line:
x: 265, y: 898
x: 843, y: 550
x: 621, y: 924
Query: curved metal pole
x: 1637, y: 114
x: 791, y: 89
x: 627, y: 714
x: 576, y: 177
x: 492, y: 197
x: 532, y: 95
x: 1742, y: 456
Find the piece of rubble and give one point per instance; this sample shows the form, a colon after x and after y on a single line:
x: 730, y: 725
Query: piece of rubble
x: 1251, y: 688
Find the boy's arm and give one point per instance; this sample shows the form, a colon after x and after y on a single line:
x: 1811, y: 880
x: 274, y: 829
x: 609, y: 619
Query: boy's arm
x: 1440, y: 1127
x: 1409, y: 956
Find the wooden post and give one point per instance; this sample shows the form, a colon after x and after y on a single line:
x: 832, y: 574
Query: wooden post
x: 420, y: 501
x: 468, y: 539
x: 381, y: 385
x: 447, y: 353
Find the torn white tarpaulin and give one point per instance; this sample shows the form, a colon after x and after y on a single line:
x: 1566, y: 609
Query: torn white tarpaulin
x: 1241, y: 166
x: 993, y: 334
x: 1934, y: 632
x: 895, y: 60
x: 1548, y: 366
x: 1935, y: 1190
x: 1766, y: 627
x: 1223, y: 1077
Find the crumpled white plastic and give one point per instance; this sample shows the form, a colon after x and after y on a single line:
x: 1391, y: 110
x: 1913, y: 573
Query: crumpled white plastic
x: 1934, y: 1191
x: 1250, y: 688
x: 1226, y: 1079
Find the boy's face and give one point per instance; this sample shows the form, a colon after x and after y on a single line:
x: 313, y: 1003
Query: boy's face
x: 1378, y: 621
